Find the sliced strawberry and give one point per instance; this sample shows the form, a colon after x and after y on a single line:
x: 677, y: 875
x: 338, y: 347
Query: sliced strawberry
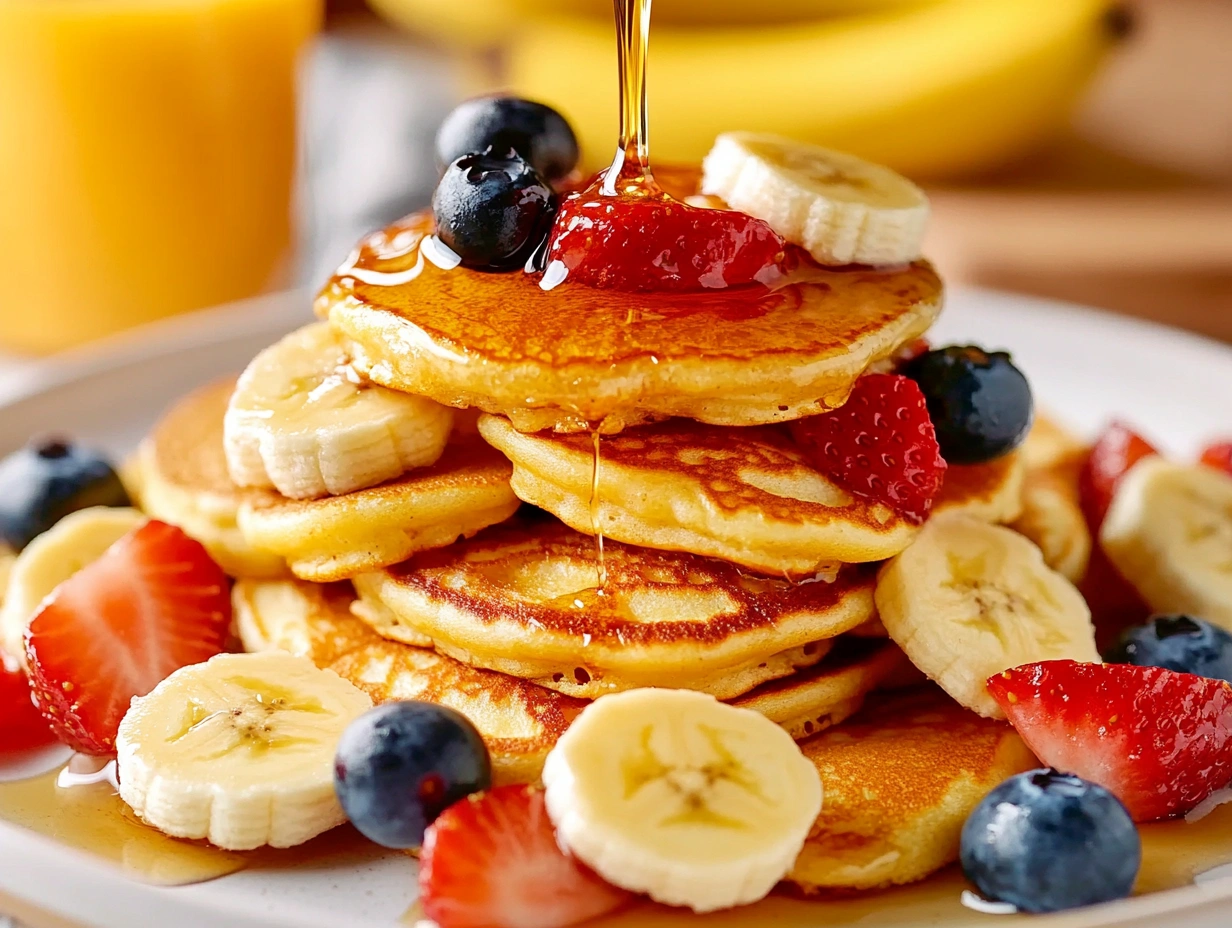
x: 1218, y: 455
x: 1118, y: 449
x: 492, y: 861
x: 1160, y: 740
x: 153, y: 603
x: 879, y: 445
x: 21, y: 725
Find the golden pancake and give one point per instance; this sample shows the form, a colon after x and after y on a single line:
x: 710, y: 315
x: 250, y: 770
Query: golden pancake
x: 521, y: 598
x: 183, y: 480
x: 519, y: 721
x: 1051, y: 500
x: 337, y: 537
x: 899, y: 780
x: 991, y: 492
x: 576, y: 356
x: 819, y: 697
x: 745, y: 495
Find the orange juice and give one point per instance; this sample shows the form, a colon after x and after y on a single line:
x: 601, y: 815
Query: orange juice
x: 147, y: 153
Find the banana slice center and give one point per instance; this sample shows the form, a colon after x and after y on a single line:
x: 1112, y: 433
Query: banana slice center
x: 258, y: 716
x: 1010, y: 615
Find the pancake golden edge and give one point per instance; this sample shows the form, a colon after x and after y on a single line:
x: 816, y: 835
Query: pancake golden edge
x: 182, y: 479
x: 338, y: 537
x: 900, y: 779
x: 519, y: 721
x: 573, y: 357
x: 727, y: 683
x: 521, y: 597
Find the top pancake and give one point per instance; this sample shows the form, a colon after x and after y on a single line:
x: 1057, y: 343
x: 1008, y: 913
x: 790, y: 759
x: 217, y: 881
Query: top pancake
x: 184, y: 481
x: 575, y: 356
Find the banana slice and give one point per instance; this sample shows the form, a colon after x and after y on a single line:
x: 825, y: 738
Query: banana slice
x: 968, y: 600
x: 78, y: 539
x: 1169, y: 532
x: 305, y: 423
x: 1052, y: 518
x: 839, y: 208
x: 238, y: 750
x: 674, y: 794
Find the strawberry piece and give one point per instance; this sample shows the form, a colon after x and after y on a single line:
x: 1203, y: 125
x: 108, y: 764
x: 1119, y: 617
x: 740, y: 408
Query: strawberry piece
x: 153, y: 603
x: 1160, y: 740
x: 492, y: 861
x: 653, y: 242
x: 22, y: 726
x: 1118, y: 449
x: 1218, y: 455
x: 879, y: 445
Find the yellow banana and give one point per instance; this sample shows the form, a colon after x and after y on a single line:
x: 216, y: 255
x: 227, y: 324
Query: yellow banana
x: 928, y: 90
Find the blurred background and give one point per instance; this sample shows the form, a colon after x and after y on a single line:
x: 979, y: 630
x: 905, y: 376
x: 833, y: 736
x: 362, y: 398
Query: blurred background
x: 158, y: 156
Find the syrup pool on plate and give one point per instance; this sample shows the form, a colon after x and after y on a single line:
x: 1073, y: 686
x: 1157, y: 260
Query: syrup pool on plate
x: 91, y: 817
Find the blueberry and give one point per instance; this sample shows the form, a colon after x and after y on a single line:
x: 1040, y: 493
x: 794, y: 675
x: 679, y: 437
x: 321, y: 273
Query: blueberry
x: 1177, y: 642
x: 45, y: 481
x: 1047, y: 841
x: 493, y: 210
x: 536, y: 132
x: 402, y: 764
x: 980, y: 403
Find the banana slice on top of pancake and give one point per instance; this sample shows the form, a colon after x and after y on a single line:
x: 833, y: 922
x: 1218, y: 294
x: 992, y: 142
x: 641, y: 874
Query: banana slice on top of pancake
x: 745, y: 495
x: 968, y: 600
x: 304, y: 422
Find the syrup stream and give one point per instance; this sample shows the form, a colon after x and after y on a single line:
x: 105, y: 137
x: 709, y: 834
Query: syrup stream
x: 596, y: 527
x: 632, y: 161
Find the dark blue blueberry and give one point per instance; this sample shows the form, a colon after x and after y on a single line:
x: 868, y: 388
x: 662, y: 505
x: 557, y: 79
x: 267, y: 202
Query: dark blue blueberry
x: 980, y: 403
x: 402, y: 764
x: 1047, y: 841
x: 1177, y: 642
x: 45, y: 481
x: 536, y: 132
x: 493, y: 210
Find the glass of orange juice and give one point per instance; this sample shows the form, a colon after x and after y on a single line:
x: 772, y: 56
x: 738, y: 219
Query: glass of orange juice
x: 147, y: 156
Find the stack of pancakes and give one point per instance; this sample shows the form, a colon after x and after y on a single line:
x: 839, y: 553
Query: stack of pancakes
x: 622, y: 507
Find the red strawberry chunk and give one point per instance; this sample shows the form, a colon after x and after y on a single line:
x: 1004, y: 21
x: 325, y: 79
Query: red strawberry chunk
x: 656, y: 243
x: 1118, y: 449
x: 1161, y: 741
x: 492, y: 861
x: 879, y: 445
x: 1218, y: 455
x: 153, y: 603
x: 22, y: 726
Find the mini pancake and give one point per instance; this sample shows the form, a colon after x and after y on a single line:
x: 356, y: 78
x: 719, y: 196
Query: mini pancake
x: 577, y: 355
x: 181, y: 475
x: 820, y: 697
x: 990, y: 492
x: 519, y: 721
x: 521, y: 598
x: 337, y: 537
x: 900, y: 779
x: 746, y: 495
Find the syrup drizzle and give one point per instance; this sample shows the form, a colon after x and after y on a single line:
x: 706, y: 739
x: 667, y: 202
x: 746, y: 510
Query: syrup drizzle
x: 596, y: 526
x: 632, y: 161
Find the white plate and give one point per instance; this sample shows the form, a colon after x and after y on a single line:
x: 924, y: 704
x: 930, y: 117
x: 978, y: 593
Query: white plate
x: 1086, y: 367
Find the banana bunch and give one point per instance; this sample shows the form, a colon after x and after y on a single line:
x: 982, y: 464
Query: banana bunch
x: 78, y: 539
x: 679, y: 796
x: 238, y: 750
x: 1169, y: 531
x: 303, y: 422
x: 929, y: 89
x: 968, y: 600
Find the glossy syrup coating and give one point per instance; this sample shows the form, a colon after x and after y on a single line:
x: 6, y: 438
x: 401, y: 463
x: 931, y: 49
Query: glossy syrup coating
x: 575, y: 356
